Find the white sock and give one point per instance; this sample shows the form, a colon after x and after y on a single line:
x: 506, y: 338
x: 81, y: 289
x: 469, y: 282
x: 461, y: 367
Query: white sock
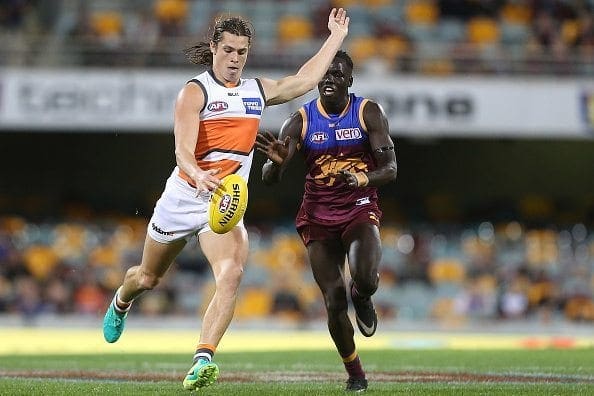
x: 117, y: 300
x: 202, y: 355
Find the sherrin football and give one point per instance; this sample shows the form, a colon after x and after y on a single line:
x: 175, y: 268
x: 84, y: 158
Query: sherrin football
x: 228, y: 203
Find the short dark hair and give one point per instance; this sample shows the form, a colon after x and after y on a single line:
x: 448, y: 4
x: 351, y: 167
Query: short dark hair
x: 200, y: 53
x: 345, y: 57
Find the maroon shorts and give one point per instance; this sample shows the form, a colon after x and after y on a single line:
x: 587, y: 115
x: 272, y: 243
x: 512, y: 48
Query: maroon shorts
x: 311, y: 230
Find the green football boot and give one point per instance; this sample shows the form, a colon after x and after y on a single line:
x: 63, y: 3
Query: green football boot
x: 203, y: 373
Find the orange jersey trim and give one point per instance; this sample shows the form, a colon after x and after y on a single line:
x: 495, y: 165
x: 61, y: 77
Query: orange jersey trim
x: 304, y: 123
x: 361, y: 120
x: 223, y: 143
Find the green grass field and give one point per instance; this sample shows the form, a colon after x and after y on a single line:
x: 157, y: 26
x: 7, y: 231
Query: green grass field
x: 312, y: 372
x: 42, y: 360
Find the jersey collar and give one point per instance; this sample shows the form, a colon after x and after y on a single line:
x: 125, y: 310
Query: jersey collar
x: 323, y: 111
x: 222, y: 83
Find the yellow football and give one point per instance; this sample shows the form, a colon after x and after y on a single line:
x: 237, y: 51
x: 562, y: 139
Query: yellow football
x: 228, y: 204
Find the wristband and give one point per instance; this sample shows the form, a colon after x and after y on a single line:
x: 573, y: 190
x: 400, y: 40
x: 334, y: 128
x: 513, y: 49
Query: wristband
x: 362, y: 179
x: 384, y: 149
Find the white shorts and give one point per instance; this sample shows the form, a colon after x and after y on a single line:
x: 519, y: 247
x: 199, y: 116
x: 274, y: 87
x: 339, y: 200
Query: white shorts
x: 179, y: 213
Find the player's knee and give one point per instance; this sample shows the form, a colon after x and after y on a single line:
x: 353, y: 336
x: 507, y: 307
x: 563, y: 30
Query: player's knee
x: 366, y: 286
x: 335, y: 301
x: 148, y: 281
x: 230, y: 276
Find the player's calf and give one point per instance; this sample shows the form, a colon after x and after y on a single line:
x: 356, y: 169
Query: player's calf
x: 364, y: 312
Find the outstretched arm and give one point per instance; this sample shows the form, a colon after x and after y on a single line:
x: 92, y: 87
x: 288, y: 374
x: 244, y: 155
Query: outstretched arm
x: 308, y: 76
x: 279, y: 151
x: 382, y: 148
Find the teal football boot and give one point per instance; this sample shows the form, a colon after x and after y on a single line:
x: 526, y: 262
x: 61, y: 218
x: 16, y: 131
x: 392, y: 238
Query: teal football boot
x: 113, y: 323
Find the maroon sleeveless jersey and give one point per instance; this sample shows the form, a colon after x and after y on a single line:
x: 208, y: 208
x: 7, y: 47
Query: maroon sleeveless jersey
x: 330, y: 143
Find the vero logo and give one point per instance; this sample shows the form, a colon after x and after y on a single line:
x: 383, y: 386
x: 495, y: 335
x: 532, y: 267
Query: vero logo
x: 348, y: 134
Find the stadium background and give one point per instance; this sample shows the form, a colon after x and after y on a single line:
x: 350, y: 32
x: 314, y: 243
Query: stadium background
x: 489, y: 224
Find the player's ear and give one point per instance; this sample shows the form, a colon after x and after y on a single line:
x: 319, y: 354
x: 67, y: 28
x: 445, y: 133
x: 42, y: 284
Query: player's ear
x: 213, y: 47
x: 350, y: 81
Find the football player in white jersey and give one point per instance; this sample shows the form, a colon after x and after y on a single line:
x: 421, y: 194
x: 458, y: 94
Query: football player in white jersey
x: 207, y: 107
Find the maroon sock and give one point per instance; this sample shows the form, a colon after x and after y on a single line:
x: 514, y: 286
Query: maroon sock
x: 354, y: 368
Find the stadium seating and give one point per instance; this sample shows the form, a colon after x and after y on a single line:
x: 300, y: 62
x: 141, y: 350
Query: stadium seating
x: 77, y: 264
x: 512, y: 30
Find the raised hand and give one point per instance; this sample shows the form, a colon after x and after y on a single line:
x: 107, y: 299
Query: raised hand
x: 338, y: 21
x: 274, y: 149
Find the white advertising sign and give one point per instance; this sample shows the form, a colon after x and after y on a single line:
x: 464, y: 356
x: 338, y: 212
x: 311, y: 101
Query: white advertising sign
x: 142, y: 101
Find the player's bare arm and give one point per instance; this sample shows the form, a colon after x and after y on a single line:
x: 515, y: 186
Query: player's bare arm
x: 382, y: 148
x: 279, y: 151
x: 188, y: 105
x: 308, y: 76
x: 381, y: 143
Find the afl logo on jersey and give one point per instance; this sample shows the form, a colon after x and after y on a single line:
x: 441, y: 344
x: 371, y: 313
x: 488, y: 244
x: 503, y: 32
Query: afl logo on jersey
x: 217, y: 106
x: 318, y: 137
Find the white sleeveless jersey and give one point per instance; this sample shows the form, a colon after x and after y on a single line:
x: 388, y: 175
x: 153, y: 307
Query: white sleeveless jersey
x: 228, y: 125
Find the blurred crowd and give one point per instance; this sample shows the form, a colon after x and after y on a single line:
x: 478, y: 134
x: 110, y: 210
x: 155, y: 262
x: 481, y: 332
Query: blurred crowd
x: 436, y: 37
x: 450, y: 273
